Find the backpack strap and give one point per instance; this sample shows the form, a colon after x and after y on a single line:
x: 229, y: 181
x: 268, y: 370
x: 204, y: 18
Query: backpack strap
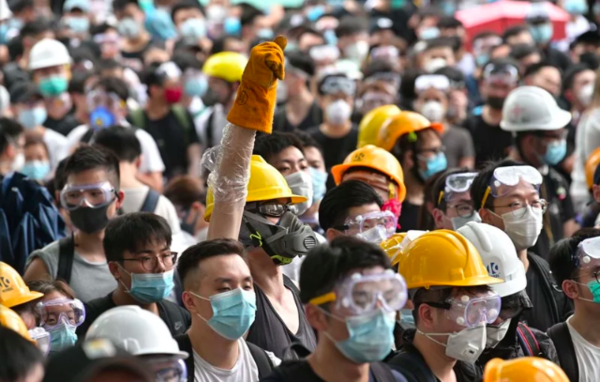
x: 382, y: 372
x: 182, y: 116
x: 87, y: 137
x: 413, y: 367
x: 185, y: 344
x: 209, y: 130
x: 528, y: 342
x: 150, y: 202
x: 138, y: 118
x: 66, y: 254
x: 544, y: 269
x: 560, y: 335
x: 263, y: 362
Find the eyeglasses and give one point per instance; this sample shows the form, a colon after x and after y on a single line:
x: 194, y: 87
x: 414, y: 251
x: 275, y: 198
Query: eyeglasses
x: 149, y: 263
x: 462, y: 209
x: 518, y: 208
x: 271, y: 209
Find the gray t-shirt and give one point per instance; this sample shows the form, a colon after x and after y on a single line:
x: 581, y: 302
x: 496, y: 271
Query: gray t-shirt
x: 89, y: 280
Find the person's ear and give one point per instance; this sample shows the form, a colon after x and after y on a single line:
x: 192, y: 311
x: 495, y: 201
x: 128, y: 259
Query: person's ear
x: 569, y: 96
x: 120, y: 199
x: 596, y: 192
x: 189, y: 302
x: 10, y: 152
x: 485, y: 216
x: 316, y: 318
x: 570, y: 289
x: 114, y: 269
x: 438, y: 218
x: 332, y: 234
x: 138, y: 162
x: 426, y: 317
x: 407, y: 161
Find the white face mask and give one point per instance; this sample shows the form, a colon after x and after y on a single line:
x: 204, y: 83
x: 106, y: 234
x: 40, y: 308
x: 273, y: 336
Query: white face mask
x: 466, y: 345
x: 301, y: 184
x: 585, y: 94
x: 338, y: 112
x: 434, y: 111
x: 495, y: 334
x: 18, y: 162
x: 524, y: 230
x: 435, y: 64
x: 357, y: 51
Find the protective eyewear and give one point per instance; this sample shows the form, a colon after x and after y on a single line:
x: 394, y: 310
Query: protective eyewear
x: 106, y: 39
x: 435, y: 81
x: 324, y: 52
x: 271, y: 209
x: 380, y: 223
x: 93, y: 195
x: 385, y: 52
x: 506, y: 74
x: 97, y: 98
x: 335, y: 84
x: 505, y: 178
x: 588, y: 252
x: 169, y: 370
x: 63, y: 311
x: 457, y: 183
x: 362, y: 293
x: 387, y: 77
x: 470, y: 312
x: 42, y: 339
x: 169, y: 70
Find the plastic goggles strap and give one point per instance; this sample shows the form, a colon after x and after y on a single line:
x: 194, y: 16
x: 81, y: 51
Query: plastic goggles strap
x: 440, y: 197
x: 323, y: 299
x: 485, y: 196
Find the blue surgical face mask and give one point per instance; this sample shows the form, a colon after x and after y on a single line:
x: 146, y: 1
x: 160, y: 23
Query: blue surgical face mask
x: 62, y: 337
x: 148, y: 288
x: 196, y: 86
x: 460, y: 221
x: 435, y: 164
x: 233, y: 312
x: 265, y: 33
x: 555, y: 152
x: 232, y: 26
x: 542, y: 33
x: 193, y: 29
x: 482, y: 59
x: 429, y: 33
x: 160, y: 24
x: 330, y: 37
x: 407, y: 321
x: 315, y: 12
x: 371, y: 336
x: 576, y: 7
x: 32, y: 118
x: 36, y: 170
x: 101, y: 118
x: 78, y: 24
x: 319, y: 182
x: 128, y: 28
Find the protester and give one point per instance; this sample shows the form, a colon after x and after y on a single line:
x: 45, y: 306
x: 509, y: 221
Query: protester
x: 452, y: 206
x: 316, y: 167
x: 578, y: 90
x: 530, y: 368
x: 21, y: 360
x: 14, y: 294
x: 189, y: 198
x: 12, y: 143
x: 134, y: 38
x: 37, y: 161
x: 544, y: 75
x: 137, y: 248
x: 91, y: 196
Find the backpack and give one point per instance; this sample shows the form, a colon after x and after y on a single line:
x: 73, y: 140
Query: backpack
x: 263, y: 362
x: 66, y: 254
x: 560, y: 335
x: 412, y: 366
x: 151, y: 201
x: 139, y: 119
x: 527, y: 340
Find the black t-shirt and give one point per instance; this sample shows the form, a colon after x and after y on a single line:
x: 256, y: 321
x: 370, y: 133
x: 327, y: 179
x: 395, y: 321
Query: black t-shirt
x: 291, y: 371
x: 491, y: 142
x: 400, y: 18
x: 173, y: 140
x: 269, y: 332
x: 177, y: 319
x: 335, y: 150
x: 64, y: 125
x: 555, y: 190
x: 314, y: 117
x: 550, y: 305
x: 409, y: 216
x: 135, y: 60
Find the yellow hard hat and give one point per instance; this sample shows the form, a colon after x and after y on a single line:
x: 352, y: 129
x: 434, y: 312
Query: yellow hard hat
x: 371, y: 123
x: 403, y: 123
x: 443, y: 258
x: 13, y: 290
x: 376, y: 158
x: 265, y: 183
x: 525, y: 369
x: 392, y: 248
x: 11, y: 320
x: 590, y: 167
x: 228, y: 66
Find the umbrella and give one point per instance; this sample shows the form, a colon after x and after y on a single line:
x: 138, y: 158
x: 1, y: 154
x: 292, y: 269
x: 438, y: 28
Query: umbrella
x: 501, y: 15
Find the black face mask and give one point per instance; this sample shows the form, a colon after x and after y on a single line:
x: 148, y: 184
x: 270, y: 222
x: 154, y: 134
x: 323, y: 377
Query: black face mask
x: 495, y: 102
x: 90, y: 220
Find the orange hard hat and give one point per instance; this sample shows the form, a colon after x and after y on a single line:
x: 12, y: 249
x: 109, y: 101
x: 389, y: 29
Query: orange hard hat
x: 404, y: 123
x: 590, y: 167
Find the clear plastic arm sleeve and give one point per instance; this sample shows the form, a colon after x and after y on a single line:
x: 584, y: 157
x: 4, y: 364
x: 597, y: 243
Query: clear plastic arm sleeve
x: 229, y: 180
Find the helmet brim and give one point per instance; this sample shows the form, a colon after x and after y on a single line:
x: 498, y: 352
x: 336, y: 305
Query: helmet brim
x: 470, y: 282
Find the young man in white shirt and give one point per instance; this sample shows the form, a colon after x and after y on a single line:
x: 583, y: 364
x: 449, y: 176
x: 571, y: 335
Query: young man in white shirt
x: 575, y: 263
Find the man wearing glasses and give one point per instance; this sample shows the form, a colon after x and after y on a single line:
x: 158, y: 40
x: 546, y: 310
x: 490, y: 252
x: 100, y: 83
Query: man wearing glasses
x: 137, y: 248
x: 506, y: 194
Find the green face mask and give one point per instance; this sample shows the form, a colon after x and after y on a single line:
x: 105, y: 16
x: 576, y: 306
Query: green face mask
x: 594, y: 287
x: 53, y: 86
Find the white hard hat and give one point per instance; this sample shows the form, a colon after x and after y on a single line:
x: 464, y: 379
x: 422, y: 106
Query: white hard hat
x: 529, y: 108
x: 5, y: 12
x: 499, y: 256
x: 48, y: 52
x: 136, y: 330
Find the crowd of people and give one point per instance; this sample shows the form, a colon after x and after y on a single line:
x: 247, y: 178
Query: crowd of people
x: 280, y: 191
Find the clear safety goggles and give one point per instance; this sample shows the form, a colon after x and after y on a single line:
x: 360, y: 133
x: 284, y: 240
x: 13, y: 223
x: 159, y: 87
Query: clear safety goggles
x: 271, y: 209
x: 168, y: 369
x: 335, y: 84
x: 505, y: 178
x: 506, y: 74
x: 324, y: 53
x: 42, y: 339
x: 385, y: 221
x: 391, y: 78
x: 588, y: 253
x: 93, y: 195
x: 361, y: 294
x: 457, y: 183
x: 106, y: 39
x: 436, y: 81
x: 385, y: 52
x: 63, y: 311
x: 97, y: 98
x: 471, y: 311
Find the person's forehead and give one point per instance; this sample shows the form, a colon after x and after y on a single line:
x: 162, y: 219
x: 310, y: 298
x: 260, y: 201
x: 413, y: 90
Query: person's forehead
x: 522, y: 189
x: 364, y: 209
x: 151, y: 245
x: 428, y: 138
x: 365, y: 176
x: 91, y: 176
x: 227, y: 266
x: 312, y: 153
x: 585, y: 75
x: 457, y: 197
x: 289, y: 153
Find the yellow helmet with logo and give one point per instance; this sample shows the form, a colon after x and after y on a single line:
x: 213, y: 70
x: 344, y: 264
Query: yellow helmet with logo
x: 13, y: 290
x: 443, y: 258
x: 404, y: 123
x: 11, y: 320
x: 371, y: 123
x: 265, y: 183
x: 590, y: 167
x: 228, y: 66
x: 376, y: 158
x: 523, y: 369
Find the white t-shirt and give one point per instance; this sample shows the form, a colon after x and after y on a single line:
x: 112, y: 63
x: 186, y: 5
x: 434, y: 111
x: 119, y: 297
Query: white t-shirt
x: 588, y: 356
x: 134, y: 199
x: 151, y: 159
x: 244, y: 370
x: 58, y: 147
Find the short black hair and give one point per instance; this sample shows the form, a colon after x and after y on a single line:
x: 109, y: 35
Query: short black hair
x: 571, y: 74
x: 308, y: 141
x: 334, y: 207
x: 19, y: 356
x: 514, y: 31
x: 349, y: 26
x: 9, y: 132
x: 121, y: 140
x: 533, y: 69
x: 439, y: 42
x: 456, y: 76
x: 185, y: 4
x: 185, y: 59
x: 301, y: 61
x: 561, y: 258
x: 269, y: 145
x: 20, y: 5
x: 191, y: 258
x: 449, y: 22
x: 484, y: 34
x: 378, y: 66
x: 249, y: 14
x: 120, y: 5
x: 77, y: 82
x: 130, y: 232
x: 523, y: 50
x: 482, y: 181
x: 93, y: 158
x: 108, y: 64
x: 112, y: 85
x: 101, y: 29
x: 34, y: 28
x: 328, y: 264
x: 59, y: 181
x: 219, y: 43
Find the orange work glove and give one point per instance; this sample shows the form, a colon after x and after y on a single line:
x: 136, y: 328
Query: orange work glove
x: 255, y: 101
